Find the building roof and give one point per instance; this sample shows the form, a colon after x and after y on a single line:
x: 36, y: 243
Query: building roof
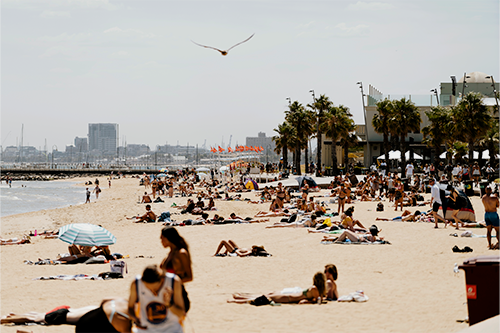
x: 475, y: 77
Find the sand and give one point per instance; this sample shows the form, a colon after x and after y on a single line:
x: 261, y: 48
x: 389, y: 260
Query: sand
x: 410, y: 284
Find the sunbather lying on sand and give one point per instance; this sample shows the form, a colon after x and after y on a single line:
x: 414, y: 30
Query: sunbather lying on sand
x: 231, y: 247
x: 312, y: 294
x: 304, y: 223
x: 271, y: 214
x: 110, y: 317
x: 233, y: 218
x: 15, y: 241
x: 370, y: 237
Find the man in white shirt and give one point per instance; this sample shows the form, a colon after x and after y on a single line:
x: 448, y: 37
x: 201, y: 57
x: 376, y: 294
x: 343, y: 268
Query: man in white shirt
x: 436, y: 202
x: 409, y: 171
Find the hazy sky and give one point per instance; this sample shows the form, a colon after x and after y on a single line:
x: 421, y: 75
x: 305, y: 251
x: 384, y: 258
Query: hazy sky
x: 67, y: 63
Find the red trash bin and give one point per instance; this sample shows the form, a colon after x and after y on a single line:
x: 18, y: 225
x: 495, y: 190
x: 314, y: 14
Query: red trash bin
x: 482, y: 287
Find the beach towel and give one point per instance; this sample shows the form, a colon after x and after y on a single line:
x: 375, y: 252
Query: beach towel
x: 357, y: 296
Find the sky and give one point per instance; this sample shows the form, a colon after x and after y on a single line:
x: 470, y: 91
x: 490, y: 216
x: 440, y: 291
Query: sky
x: 68, y: 63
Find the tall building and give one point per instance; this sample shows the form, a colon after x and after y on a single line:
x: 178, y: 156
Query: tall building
x: 103, y: 137
x: 263, y: 141
x: 81, y: 144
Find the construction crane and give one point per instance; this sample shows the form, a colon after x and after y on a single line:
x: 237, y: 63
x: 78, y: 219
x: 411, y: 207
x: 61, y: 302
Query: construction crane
x: 230, y: 137
x: 204, y: 144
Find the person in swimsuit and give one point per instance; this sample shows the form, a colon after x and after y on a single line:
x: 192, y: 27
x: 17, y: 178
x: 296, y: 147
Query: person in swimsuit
x: 331, y: 274
x: 491, y: 203
x: 457, y: 204
x: 110, y: 317
x: 342, y: 197
x: 231, y: 247
x: 398, y: 195
x: 305, y: 191
x: 146, y: 198
x: 280, y: 196
x: 178, y: 260
x: 476, y: 173
x: 313, y: 294
x: 370, y: 237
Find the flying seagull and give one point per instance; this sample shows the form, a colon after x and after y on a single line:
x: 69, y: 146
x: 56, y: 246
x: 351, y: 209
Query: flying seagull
x: 224, y: 53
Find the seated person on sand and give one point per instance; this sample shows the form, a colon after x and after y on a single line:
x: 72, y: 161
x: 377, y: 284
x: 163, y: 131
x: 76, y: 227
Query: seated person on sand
x: 211, y: 204
x: 332, y: 294
x: 231, y: 247
x: 110, y: 316
x: 304, y: 223
x: 78, y: 254
x: 348, y: 222
x: 148, y: 217
x: 312, y: 294
x: 146, y: 198
x: 15, y: 241
x: 369, y: 237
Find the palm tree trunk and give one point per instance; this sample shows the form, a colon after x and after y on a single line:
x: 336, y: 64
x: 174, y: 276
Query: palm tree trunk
x: 403, y: 155
x: 318, y: 166
x: 306, y: 153
x: 335, y: 170
x: 346, y: 155
x: 471, y: 157
x: 386, y: 151
x: 285, y: 157
x: 297, y: 158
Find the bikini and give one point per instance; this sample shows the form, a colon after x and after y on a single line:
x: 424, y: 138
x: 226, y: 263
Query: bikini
x: 96, y: 321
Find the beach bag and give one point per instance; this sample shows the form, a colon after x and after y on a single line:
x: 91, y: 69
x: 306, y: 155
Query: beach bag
x: 118, y: 266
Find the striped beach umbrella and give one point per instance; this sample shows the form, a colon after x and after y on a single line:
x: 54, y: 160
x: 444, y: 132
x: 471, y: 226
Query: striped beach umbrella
x: 86, y: 234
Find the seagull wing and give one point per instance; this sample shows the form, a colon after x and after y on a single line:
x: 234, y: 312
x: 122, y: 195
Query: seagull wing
x: 240, y: 42
x: 208, y: 47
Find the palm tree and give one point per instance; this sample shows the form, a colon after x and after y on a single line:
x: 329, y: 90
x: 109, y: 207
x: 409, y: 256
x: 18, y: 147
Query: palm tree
x: 381, y: 120
x: 405, y: 119
x: 490, y: 141
x: 349, y: 141
x: 282, y: 140
x: 320, y: 104
x: 336, y: 126
x: 436, y: 133
x: 298, y: 118
x: 471, y: 121
x: 308, y: 132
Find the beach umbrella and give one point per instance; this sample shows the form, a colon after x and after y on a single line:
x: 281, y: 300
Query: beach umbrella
x: 163, y: 170
x: 251, y: 184
x: 161, y: 175
x: 307, y: 179
x: 202, y: 169
x: 86, y: 234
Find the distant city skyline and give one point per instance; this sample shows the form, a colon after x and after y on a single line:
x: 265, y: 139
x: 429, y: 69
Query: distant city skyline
x: 66, y: 63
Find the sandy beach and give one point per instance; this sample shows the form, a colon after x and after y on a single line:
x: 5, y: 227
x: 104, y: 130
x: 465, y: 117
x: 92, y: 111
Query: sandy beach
x: 410, y: 284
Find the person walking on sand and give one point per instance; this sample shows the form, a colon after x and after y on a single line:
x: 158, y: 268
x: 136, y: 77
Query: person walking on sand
x: 436, y: 202
x: 490, y: 203
x: 88, y: 195
x: 97, y: 190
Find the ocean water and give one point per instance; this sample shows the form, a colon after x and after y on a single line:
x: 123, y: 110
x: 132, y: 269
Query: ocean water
x: 31, y: 196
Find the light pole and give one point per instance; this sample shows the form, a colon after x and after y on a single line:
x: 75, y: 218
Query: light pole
x: 289, y: 101
x: 52, y: 166
x: 464, y: 84
x: 494, y: 88
x: 366, y: 124
x: 318, y: 137
x: 435, y: 91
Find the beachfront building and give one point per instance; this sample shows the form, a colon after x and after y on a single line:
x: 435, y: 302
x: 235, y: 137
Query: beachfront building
x: 450, y: 94
x: 474, y: 82
x: 103, y: 138
x: 266, y: 142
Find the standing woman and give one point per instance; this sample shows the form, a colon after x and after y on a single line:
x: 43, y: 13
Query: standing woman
x: 178, y: 260
x: 342, y: 198
x: 280, y: 195
x: 458, y: 203
x: 398, y: 195
x: 476, y: 173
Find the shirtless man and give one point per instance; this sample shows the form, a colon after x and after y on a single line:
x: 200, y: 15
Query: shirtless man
x: 490, y: 203
x: 148, y: 217
x: 146, y: 198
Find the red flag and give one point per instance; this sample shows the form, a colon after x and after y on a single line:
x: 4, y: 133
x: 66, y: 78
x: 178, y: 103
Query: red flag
x: 246, y: 148
x: 229, y: 150
x: 256, y: 148
x: 221, y: 149
x: 261, y: 149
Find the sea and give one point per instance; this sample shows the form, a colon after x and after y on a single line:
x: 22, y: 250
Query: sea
x: 31, y: 196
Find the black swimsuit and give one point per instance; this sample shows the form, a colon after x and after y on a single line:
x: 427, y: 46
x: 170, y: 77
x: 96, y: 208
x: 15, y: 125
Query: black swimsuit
x: 95, y: 321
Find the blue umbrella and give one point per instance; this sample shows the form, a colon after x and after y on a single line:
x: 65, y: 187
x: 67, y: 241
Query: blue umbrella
x: 86, y: 234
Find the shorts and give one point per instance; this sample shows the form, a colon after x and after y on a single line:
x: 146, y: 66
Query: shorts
x: 491, y: 218
x: 435, y: 206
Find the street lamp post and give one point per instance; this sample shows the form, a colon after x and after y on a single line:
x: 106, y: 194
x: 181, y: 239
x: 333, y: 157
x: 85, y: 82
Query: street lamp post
x: 435, y: 91
x: 366, y: 124
x: 318, y: 137
x: 52, y: 165
x: 494, y: 89
x: 464, y: 84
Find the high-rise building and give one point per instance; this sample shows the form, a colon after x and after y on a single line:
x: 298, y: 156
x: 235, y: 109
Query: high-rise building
x: 103, y: 137
x: 81, y: 144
